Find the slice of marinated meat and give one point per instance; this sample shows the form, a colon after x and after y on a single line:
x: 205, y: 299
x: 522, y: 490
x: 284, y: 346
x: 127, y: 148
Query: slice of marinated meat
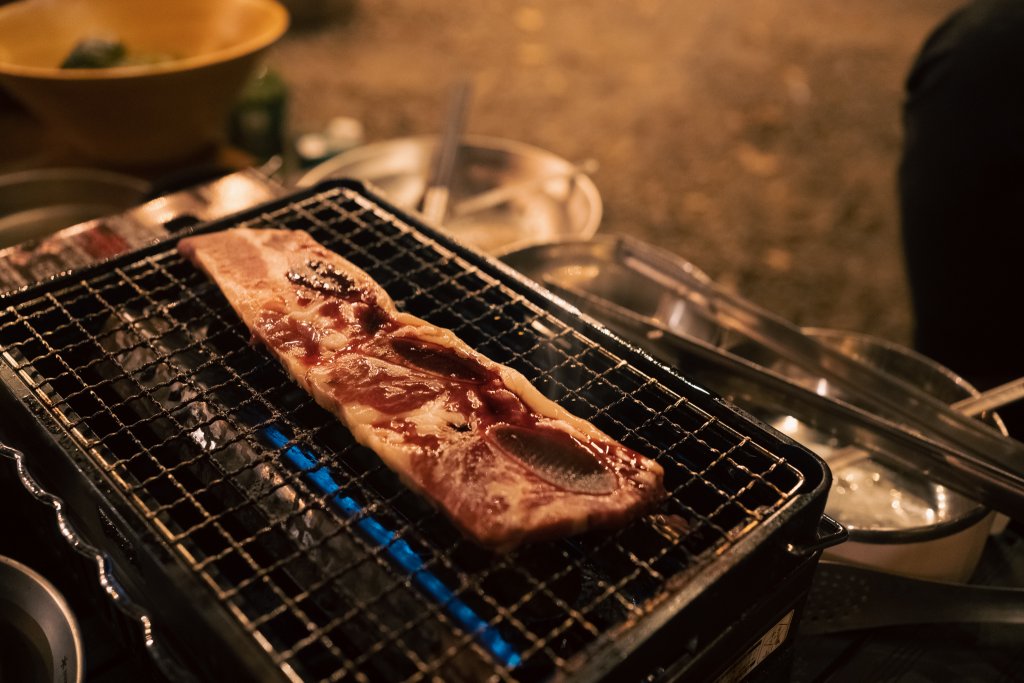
x: 505, y: 463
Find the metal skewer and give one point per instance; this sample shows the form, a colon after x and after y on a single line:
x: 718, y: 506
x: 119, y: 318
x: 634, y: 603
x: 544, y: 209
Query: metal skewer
x: 972, y: 406
x: 434, y: 203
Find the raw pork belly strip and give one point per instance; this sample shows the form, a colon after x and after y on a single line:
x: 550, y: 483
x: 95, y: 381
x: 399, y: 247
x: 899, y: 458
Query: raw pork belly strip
x: 505, y: 463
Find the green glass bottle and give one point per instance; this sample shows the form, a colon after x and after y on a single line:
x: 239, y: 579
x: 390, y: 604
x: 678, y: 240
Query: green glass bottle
x: 257, y: 124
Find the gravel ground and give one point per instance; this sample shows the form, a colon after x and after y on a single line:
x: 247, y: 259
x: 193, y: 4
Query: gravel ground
x: 757, y: 139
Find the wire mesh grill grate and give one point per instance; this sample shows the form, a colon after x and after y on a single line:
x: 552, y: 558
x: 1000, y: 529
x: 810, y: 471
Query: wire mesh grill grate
x: 314, y: 546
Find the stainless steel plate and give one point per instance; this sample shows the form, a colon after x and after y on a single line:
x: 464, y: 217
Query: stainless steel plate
x: 611, y: 268
x: 549, y: 198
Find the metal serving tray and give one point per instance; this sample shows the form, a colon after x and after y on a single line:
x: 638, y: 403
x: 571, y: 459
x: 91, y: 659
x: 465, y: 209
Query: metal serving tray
x: 265, y: 544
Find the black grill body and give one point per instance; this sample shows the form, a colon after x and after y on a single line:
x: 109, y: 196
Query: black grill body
x: 258, y: 541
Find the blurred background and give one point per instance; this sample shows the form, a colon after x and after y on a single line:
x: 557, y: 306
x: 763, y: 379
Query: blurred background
x: 758, y: 139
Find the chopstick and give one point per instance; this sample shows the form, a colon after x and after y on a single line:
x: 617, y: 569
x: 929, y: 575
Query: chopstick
x: 434, y: 203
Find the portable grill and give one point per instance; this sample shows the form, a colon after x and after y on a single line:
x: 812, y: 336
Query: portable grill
x: 263, y: 543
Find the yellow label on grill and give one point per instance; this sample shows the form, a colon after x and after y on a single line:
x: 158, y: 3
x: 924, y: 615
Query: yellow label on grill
x: 759, y: 651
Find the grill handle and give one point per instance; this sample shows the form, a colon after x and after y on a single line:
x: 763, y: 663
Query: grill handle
x: 108, y: 582
x: 828, y: 533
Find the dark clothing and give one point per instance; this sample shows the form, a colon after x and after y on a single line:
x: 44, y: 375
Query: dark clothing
x: 962, y: 195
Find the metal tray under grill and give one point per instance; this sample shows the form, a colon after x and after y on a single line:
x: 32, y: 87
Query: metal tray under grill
x: 266, y: 544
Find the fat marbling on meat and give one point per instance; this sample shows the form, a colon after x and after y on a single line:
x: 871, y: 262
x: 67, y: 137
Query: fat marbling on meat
x: 505, y: 463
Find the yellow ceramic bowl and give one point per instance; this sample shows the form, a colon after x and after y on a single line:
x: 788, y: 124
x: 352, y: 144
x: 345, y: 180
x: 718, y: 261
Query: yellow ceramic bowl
x: 140, y: 115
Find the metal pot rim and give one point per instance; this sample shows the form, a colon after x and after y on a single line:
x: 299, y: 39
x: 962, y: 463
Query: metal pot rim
x: 14, y: 572
x: 920, y: 534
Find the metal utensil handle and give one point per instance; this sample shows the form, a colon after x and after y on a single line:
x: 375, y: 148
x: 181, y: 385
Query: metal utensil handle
x: 434, y: 205
x: 731, y: 375
x: 883, y: 394
x: 849, y: 598
x: 991, y: 399
x: 972, y: 406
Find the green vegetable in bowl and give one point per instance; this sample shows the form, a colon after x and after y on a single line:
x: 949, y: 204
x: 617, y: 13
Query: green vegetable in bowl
x: 104, y: 53
x: 95, y: 53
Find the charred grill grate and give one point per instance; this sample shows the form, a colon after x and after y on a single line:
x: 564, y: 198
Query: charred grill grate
x: 313, y: 546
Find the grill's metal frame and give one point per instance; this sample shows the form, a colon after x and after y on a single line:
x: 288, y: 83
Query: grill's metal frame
x: 747, y: 557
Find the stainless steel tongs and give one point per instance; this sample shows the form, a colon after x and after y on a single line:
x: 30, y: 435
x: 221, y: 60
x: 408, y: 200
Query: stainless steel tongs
x: 873, y: 389
x: 882, y: 412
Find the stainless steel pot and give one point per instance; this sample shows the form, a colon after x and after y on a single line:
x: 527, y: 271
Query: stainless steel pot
x: 37, y: 202
x: 897, y: 521
x: 39, y: 636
